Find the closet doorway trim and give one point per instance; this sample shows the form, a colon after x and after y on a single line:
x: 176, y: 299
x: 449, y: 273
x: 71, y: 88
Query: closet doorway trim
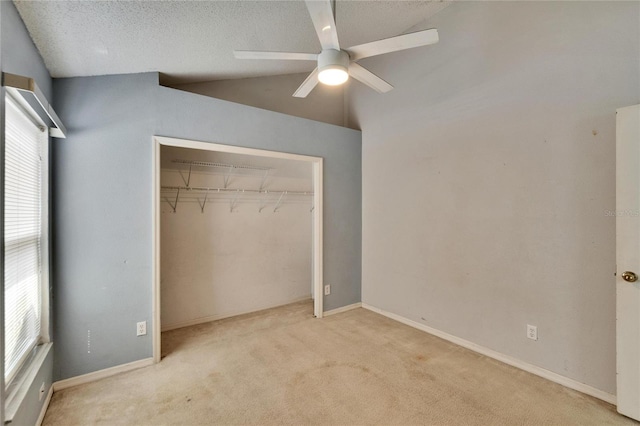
x: 159, y: 141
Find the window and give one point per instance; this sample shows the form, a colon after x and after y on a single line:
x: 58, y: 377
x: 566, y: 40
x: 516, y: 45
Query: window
x: 25, y: 207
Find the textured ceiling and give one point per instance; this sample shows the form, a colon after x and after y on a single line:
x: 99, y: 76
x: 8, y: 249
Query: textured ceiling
x: 191, y: 41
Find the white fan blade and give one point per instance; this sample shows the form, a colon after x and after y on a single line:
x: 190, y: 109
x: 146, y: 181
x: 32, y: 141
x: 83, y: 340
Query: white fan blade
x: 289, y: 56
x: 365, y: 76
x: 307, y: 85
x: 322, y: 17
x: 393, y: 44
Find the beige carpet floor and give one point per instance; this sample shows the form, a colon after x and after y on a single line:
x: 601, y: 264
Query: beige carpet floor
x: 282, y: 366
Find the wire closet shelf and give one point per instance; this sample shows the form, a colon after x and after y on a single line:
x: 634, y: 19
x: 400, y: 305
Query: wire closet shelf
x: 173, y: 194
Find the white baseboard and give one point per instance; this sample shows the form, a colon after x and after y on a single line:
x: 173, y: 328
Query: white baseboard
x: 218, y: 317
x: 101, y: 374
x: 514, y: 362
x: 43, y: 411
x: 342, y: 309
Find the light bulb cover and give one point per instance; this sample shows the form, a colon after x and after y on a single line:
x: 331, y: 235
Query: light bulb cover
x: 333, y: 67
x: 333, y: 76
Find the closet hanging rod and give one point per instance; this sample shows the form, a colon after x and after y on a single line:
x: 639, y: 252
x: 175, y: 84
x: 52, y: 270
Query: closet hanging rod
x: 221, y: 165
x: 233, y: 191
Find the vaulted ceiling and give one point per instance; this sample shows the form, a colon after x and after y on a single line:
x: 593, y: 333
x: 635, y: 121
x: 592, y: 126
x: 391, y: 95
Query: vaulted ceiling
x: 192, y: 41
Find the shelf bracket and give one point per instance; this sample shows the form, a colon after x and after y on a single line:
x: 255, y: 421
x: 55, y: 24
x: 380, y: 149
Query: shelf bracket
x: 227, y: 177
x: 275, y: 210
x: 188, y: 179
x: 234, y: 202
x: 203, y: 202
x: 263, y: 201
x: 264, y: 180
x: 175, y: 204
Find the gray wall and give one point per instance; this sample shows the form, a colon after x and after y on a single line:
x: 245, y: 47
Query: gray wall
x: 20, y: 56
x: 102, y: 223
x: 487, y: 173
x: 324, y: 103
x: 103, y: 207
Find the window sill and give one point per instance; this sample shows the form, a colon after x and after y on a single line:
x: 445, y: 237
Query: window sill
x: 24, y: 380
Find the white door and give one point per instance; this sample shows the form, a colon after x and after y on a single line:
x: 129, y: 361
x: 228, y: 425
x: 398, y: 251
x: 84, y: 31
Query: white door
x: 628, y: 260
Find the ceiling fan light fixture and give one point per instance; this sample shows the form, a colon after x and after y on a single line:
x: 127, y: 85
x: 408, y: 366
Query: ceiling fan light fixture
x: 333, y: 76
x: 333, y: 67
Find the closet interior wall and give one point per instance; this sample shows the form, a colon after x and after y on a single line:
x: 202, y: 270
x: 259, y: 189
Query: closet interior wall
x: 236, y: 234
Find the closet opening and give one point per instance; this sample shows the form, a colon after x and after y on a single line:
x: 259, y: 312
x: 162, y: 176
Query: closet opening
x: 236, y: 230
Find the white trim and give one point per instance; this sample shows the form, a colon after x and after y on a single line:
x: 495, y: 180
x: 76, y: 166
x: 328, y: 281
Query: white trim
x: 232, y: 149
x: 343, y: 309
x: 514, y: 362
x: 318, y: 278
x: 217, y: 317
x: 318, y: 219
x: 25, y: 380
x: 101, y: 374
x: 43, y: 411
x: 45, y: 241
x: 155, y: 291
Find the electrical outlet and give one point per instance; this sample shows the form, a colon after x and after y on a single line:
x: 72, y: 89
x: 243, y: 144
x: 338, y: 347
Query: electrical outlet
x: 532, y: 332
x: 41, y: 394
x: 141, y: 328
x: 327, y: 289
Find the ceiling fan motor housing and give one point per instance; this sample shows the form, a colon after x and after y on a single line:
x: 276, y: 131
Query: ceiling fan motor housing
x: 333, y: 59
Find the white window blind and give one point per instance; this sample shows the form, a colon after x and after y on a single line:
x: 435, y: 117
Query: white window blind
x: 22, y: 235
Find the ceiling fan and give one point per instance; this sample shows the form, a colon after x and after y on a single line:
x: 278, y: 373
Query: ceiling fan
x: 335, y: 65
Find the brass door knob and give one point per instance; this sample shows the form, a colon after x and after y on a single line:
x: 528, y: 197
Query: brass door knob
x: 629, y: 276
